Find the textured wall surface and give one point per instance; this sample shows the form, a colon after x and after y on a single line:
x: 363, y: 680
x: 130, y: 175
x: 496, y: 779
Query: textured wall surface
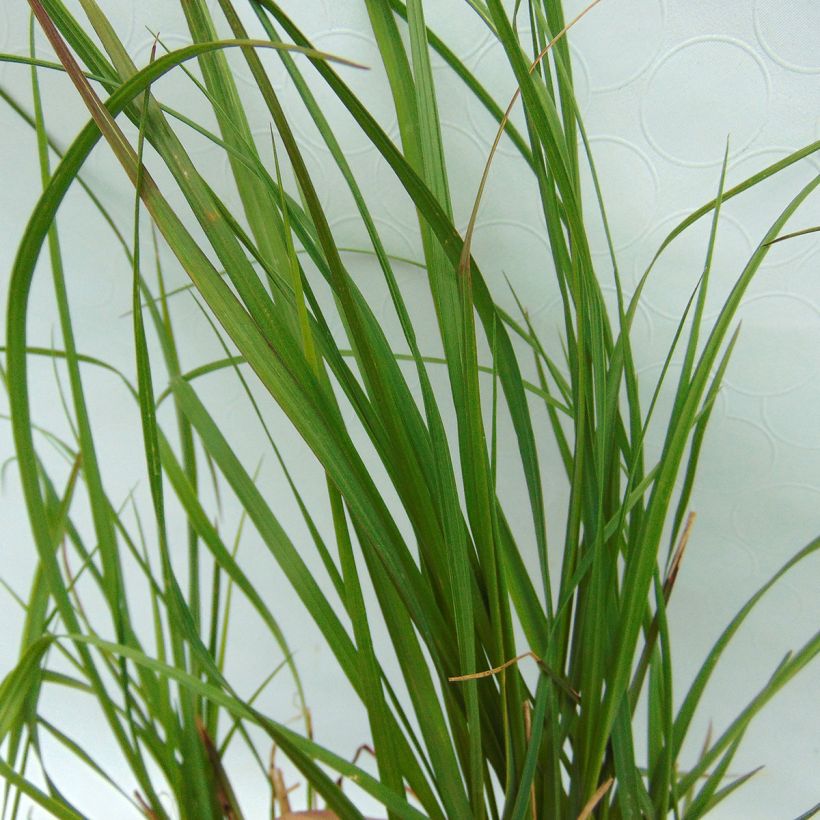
x: 662, y: 84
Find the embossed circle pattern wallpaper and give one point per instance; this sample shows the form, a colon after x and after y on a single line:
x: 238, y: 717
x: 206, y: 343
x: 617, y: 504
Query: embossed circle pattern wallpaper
x: 661, y: 85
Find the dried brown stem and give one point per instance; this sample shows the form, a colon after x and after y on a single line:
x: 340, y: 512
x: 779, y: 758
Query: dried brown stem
x: 595, y: 799
x: 486, y: 673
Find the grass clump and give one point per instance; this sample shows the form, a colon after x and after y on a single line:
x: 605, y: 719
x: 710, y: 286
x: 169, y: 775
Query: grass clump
x: 418, y: 542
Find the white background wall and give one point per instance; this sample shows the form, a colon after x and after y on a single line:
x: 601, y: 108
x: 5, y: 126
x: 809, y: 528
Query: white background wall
x: 661, y: 84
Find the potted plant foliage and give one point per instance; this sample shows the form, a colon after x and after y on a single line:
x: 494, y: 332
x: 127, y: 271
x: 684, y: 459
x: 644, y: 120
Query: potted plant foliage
x: 502, y: 672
